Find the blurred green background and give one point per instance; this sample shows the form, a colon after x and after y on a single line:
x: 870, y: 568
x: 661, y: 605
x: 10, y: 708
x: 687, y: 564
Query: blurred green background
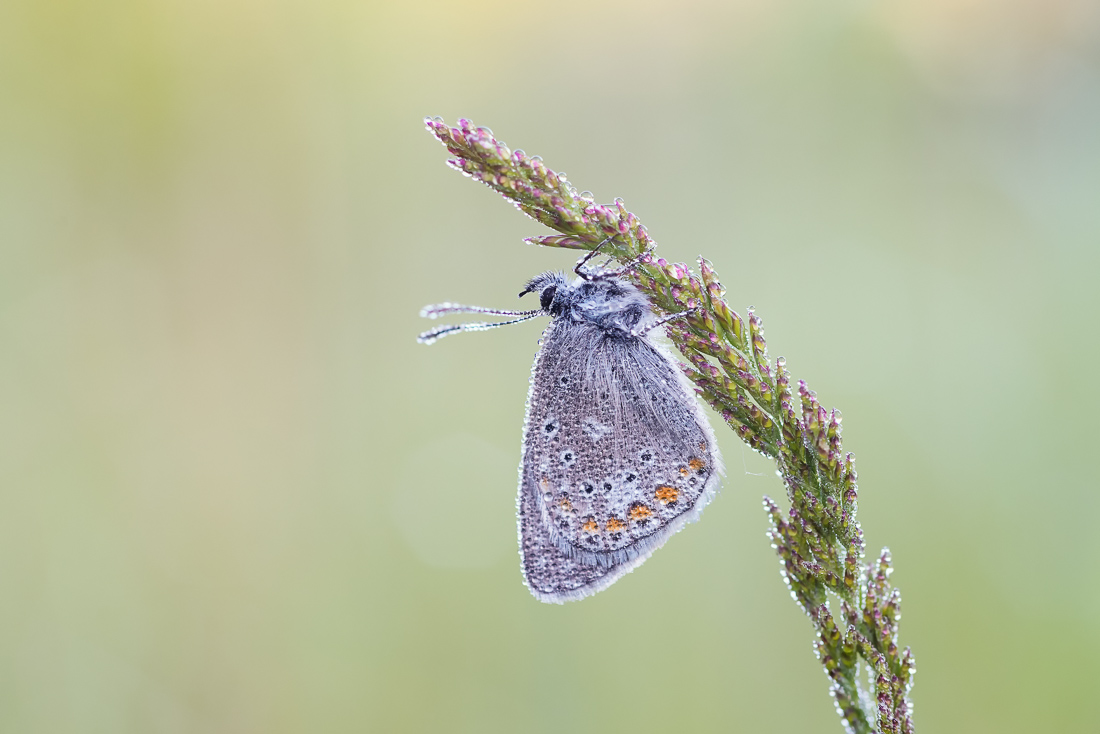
x: 236, y: 496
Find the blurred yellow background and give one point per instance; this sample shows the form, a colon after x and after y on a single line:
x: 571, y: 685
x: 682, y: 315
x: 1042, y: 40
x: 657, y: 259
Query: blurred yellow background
x: 236, y: 496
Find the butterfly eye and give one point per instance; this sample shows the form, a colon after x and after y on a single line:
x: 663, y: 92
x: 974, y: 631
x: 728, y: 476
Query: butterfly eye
x: 547, y: 297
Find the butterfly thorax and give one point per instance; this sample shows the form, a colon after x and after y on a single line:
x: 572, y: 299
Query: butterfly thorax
x: 611, y: 304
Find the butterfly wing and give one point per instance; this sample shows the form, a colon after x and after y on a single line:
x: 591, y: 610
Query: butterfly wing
x: 617, y: 456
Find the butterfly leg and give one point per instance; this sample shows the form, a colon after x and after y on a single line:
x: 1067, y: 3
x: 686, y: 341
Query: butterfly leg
x: 604, y: 273
x: 626, y: 268
x: 665, y: 320
x: 581, y: 270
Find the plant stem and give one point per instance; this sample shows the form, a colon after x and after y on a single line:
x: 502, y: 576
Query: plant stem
x: 818, y: 540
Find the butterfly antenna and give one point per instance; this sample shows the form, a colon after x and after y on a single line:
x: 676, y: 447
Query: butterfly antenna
x: 441, y: 309
x: 429, y: 337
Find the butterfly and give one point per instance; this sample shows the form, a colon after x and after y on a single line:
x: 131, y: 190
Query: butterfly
x: 617, y: 453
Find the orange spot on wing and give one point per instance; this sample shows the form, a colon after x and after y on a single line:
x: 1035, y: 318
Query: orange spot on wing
x: 614, y: 525
x: 666, y: 494
x: 544, y: 484
x: 590, y: 525
x: 696, y: 464
x: 640, y: 512
x: 566, y: 504
x: 683, y: 471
